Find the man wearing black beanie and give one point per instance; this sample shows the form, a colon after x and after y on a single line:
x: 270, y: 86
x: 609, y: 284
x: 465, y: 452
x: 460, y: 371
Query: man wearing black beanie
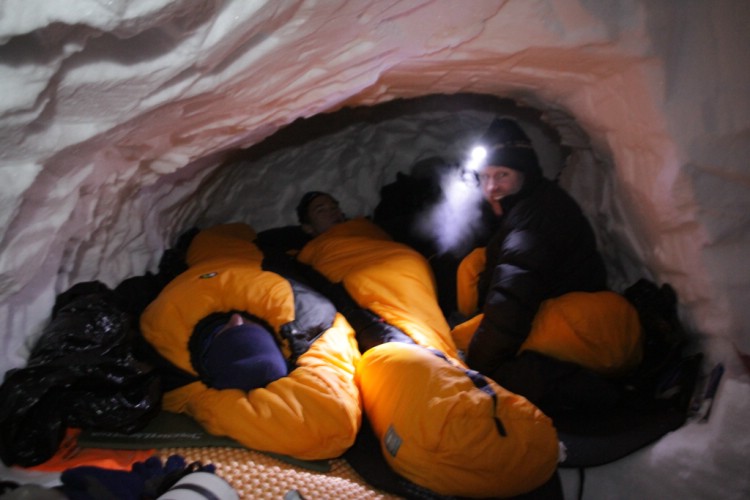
x: 542, y: 247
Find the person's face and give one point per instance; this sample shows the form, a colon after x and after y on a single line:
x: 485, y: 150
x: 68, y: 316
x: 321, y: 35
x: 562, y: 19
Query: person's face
x: 497, y: 182
x: 234, y: 321
x: 323, y: 213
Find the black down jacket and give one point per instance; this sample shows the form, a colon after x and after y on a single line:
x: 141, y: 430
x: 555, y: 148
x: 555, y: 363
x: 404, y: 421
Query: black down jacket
x: 543, y: 247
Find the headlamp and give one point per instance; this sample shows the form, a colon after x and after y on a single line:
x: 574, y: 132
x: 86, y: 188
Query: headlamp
x: 478, y: 154
x: 470, y: 170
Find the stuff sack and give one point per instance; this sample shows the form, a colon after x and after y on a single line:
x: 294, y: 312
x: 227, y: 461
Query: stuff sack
x: 81, y: 373
x: 451, y: 430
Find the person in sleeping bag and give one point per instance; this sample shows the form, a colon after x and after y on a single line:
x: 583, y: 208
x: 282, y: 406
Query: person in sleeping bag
x: 427, y: 412
x: 252, y: 355
x: 542, y: 246
x: 317, y: 211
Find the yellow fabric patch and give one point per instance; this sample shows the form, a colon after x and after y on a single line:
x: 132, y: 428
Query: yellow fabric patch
x: 467, y: 281
x: 463, y: 332
x: 600, y: 331
x: 224, y: 242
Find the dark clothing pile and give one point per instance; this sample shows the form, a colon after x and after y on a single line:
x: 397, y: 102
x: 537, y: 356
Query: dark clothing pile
x: 81, y: 373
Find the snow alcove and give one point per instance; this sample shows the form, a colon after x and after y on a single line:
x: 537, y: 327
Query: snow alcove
x: 123, y: 123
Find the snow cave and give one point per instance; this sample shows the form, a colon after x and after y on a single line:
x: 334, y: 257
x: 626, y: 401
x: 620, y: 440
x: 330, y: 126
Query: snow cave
x: 124, y: 123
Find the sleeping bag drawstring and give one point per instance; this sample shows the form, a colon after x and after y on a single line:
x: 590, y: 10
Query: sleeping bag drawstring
x: 481, y: 383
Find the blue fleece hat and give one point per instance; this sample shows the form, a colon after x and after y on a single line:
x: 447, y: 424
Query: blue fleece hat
x: 243, y: 357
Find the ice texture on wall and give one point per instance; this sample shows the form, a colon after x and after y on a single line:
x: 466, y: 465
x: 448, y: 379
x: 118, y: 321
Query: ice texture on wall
x: 117, y: 117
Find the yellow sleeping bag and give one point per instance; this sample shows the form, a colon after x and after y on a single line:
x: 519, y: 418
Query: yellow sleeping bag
x: 312, y: 413
x: 386, y: 277
x: 597, y: 330
x: 441, y: 431
x: 438, y: 423
x: 467, y: 281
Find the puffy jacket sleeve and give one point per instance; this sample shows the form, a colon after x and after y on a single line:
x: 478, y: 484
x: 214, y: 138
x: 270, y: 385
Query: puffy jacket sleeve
x: 515, y: 292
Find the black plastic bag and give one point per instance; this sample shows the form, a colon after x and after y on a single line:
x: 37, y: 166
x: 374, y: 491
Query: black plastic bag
x: 81, y: 373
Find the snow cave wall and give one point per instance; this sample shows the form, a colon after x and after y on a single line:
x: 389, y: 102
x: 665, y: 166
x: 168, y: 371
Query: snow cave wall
x: 121, y: 122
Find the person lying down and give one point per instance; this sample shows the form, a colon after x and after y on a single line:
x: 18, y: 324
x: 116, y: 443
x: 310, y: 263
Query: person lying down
x: 266, y: 361
x: 430, y: 413
x: 440, y: 425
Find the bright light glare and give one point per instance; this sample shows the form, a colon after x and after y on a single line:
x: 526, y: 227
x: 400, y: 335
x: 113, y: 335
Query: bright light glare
x: 452, y: 222
x: 478, y: 154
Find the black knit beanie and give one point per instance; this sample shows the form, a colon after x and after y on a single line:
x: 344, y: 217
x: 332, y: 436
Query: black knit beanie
x: 509, y: 146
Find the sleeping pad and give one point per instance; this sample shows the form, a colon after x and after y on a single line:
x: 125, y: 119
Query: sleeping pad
x: 313, y: 412
x: 440, y: 425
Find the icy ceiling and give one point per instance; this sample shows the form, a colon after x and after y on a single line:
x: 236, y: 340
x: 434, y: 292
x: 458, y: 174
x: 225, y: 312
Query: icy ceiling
x: 114, y: 112
x: 122, y: 121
